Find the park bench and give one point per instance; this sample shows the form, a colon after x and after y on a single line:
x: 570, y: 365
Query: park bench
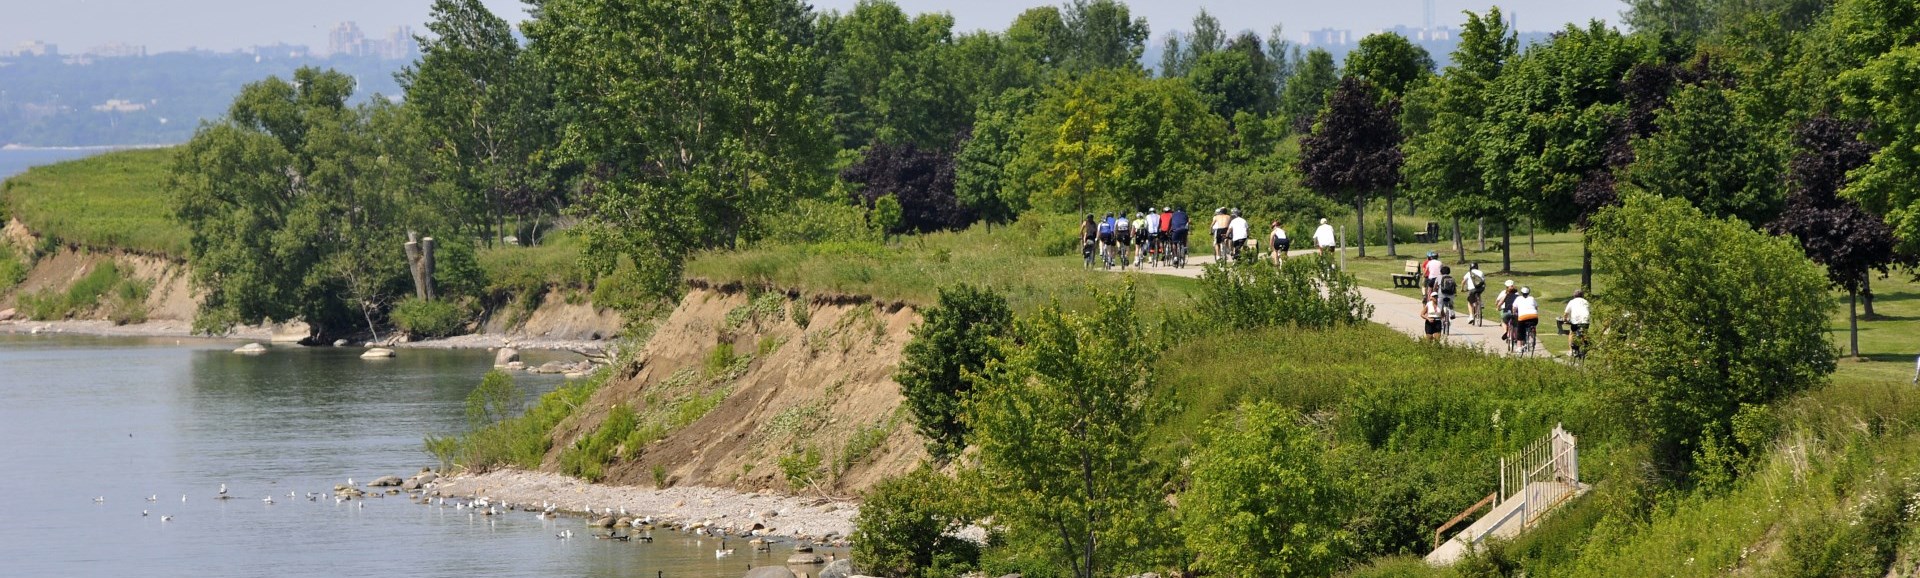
x: 1428, y: 236
x: 1409, y: 278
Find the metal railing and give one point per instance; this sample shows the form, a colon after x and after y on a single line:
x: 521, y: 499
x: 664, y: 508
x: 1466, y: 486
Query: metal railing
x: 1541, y: 475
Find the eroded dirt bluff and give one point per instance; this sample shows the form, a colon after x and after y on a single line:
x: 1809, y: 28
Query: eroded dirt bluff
x: 800, y: 405
x: 170, y: 296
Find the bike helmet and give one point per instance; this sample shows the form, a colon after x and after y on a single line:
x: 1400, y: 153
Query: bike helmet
x: 1236, y: 212
x: 1167, y: 209
x: 1432, y: 255
x: 1220, y: 211
x: 1526, y: 291
x: 1139, y: 215
x: 1089, y: 216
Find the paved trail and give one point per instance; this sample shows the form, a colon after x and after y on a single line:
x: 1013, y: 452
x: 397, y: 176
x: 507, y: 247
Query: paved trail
x: 1397, y: 310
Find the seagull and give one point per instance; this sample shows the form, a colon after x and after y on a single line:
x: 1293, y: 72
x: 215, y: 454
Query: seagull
x: 166, y: 518
x: 564, y: 534
x: 143, y: 513
x: 183, y: 497
x: 223, y: 489
x: 723, y: 552
x: 100, y: 499
x: 268, y: 500
x: 153, y: 498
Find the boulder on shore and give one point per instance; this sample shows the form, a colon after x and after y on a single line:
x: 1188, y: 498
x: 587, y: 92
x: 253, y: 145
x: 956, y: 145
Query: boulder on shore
x: 804, y: 559
x: 377, y: 353
x: 837, y: 569
x: 251, y: 349
x: 384, y: 481
x: 504, y: 356
x: 769, y: 572
x: 7, y: 314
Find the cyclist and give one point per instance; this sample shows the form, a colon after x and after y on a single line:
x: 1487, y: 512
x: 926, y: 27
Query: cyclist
x: 1152, y: 240
x: 1578, y: 315
x: 1447, y: 289
x: 1237, y: 235
x: 1323, y: 237
x: 1166, y: 234
x: 1106, y: 241
x: 1088, y: 234
x: 1504, y: 302
x: 1122, y: 239
x: 1431, y: 270
x: 1277, y: 239
x: 1220, y: 221
x: 1526, y: 317
x: 1180, y: 229
x: 1476, y: 283
x: 1140, y: 237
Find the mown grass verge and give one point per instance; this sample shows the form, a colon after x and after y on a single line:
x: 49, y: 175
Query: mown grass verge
x: 1032, y: 262
x: 114, y: 200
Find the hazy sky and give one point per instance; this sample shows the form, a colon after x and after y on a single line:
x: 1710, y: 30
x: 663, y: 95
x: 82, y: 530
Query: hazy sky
x: 165, y: 25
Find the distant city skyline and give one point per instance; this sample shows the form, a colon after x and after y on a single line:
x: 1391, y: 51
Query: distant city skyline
x: 132, y: 26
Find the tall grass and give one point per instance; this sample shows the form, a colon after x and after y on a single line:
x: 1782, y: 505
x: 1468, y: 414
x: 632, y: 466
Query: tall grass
x: 113, y: 200
x: 522, y: 441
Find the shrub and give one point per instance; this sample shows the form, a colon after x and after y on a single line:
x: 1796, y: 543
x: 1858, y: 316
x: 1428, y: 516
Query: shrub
x: 905, y: 528
x: 1261, y: 504
x: 589, y: 456
x: 955, y: 339
x: 495, y: 400
x: 521, y: 441
x: 1701, y: 316
x: 1302, y: 292
x: 801, y: 467
x: 83, y: 296
x: 13, y: 268
x: 438, y: 318
x: 815, y: 221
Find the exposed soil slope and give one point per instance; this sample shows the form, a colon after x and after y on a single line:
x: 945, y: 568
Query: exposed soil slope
x: 820, y: 393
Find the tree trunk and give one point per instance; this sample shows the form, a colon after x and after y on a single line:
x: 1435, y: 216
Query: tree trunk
x: 427, y: 246
x: 1390, y: 251
x: 413, y: 265
x: 1360, y: 211
x: 1530, y: 248
x: 1482, y: 233
x: 1459, y: 244
x: 1506, y: 247
x: 1853, y: 322
x: 1866, y: 295
x: 1586, y: 263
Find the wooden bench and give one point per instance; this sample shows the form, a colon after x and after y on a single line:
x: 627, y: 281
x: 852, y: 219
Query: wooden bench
x: 1410, y: 278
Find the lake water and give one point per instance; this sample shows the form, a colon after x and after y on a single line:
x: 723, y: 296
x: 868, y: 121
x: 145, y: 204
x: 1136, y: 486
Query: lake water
x: 16, y: 161
x: 125, y: 419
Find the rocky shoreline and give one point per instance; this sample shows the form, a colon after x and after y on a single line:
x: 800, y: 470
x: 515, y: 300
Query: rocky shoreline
x: 819, y: 520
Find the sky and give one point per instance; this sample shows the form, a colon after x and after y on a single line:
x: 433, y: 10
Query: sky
x: 169, y: 25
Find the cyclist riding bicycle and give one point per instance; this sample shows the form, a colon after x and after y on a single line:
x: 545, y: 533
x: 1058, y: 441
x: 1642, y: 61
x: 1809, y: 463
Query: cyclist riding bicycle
x: 1448, y: 288
x: 1504, y: 302
x: 1140, y: 237
x: 1179, y: 226
x: 1476, y: 283
x: 1153, y: 242
x: 1088, y: 234
x: 1220, y: 221
x: 1277, y: 239
x: 1122, y: 239
x: 1526, y: 317
x: 1106, y: 240
x: 1236, y: 235
x: 1578, y: 314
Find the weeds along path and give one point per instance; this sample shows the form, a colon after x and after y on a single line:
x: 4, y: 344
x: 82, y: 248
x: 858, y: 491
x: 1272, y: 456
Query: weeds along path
x: 1399, y: 312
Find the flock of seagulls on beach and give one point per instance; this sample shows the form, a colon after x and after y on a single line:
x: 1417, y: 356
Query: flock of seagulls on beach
x: 639, y: 528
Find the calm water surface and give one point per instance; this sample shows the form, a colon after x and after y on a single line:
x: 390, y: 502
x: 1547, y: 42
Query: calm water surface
x: 126, y: 419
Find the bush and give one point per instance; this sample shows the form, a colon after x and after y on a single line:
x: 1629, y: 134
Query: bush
x: 1701, y: 316
x: 1261, y: 504
x: 495, y: 400
x: 955, y: 339
x: 439, y: 318
x: 589, y: 456
x: 1302, y: 292
x: 521, y: 441
x: 815, y: 221
x: 905, y: 528
x: 13, y: 268
x: 82, y: 297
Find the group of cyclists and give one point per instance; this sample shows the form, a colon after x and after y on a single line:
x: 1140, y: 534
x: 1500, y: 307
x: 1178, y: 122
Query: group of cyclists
x: 1159, y: 237
x: 1519, y: 310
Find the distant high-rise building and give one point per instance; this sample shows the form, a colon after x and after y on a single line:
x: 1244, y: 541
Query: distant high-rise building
x: 399, y: 44
x: 117, y: 50
x: 1327, y: 37
x: 345, y: 39
x: 37, y: 48
x: 278, y: 50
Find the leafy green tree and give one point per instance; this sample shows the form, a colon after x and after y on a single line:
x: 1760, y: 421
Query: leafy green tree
x: 1306, y: 91
x: 1103, y: 34
x: 1182, y: 50
x: 482, y: 105
x: 1284, y: 55
x: 906, y: 528
x: 493, y: 401
x: 1061, y: 430
x: 1262, y: 502
x: 1237, y: 79
x: 296, y: 204
x: 1884, y: 90
x: 1391, y: 62
x: 887, y: 75
x: 1353, y: 153
x: 981, y: 180
x: 954, y: 342
x: 1710, y: 151
x: 695, y: 120
x: 1701, y: 316
x: 1113, y: 137
x: 1442, y: 159
x: 1549, y: 124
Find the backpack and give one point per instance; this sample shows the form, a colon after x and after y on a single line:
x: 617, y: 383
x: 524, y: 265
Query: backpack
x: 1447, y: 286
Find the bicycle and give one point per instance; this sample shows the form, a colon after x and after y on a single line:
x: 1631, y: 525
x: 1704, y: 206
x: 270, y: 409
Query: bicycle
x: 1446, y: 316
x: 1527, y: 340
x: 1086, y: 252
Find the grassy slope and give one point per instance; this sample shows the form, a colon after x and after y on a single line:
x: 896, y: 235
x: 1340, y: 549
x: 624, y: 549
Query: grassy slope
x: 112, y: 200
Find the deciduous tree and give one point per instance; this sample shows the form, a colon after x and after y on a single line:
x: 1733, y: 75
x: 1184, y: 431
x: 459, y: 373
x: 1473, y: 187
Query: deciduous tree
x: 953, y: 344
x: 1353, y: 153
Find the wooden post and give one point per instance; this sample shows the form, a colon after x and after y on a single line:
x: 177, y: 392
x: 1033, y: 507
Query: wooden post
x: 413, y: 264
x: 426, y: 266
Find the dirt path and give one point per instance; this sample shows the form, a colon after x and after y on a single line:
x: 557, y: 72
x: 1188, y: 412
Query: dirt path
x: 1394, y: 310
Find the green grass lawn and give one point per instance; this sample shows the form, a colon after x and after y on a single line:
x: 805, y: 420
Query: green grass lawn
x: 112, y: 200
x: 1032, y: 262
x: 1551, y: 268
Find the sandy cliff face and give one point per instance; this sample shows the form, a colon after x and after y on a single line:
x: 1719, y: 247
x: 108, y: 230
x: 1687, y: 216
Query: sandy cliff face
x: 802, y: 408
